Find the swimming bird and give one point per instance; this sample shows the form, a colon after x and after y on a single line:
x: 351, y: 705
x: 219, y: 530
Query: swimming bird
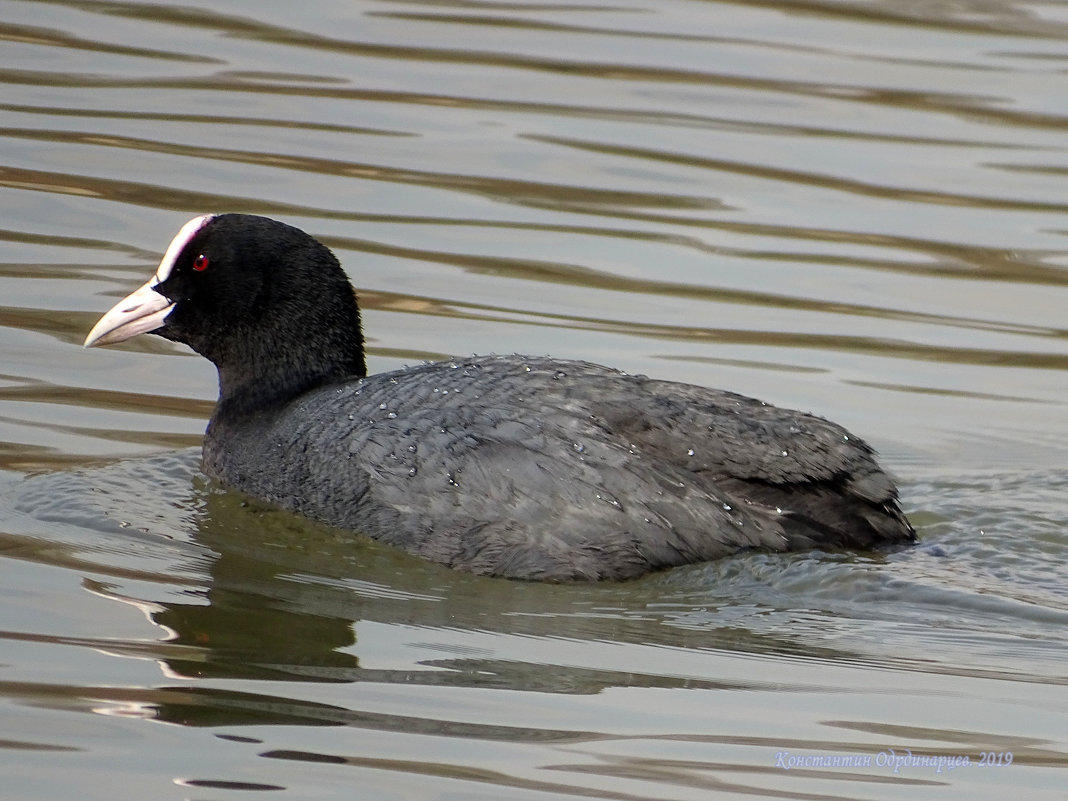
x: 526, y: 467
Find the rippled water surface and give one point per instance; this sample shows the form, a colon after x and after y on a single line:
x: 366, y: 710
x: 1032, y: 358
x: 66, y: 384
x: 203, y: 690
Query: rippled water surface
x: 854, y: 208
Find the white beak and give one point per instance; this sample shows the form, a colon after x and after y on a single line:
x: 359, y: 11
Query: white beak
x: 142, y: 310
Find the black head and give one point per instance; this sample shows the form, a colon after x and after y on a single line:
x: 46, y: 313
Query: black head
x: 264, y: 301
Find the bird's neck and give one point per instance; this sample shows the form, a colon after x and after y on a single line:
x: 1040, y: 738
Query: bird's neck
x: 276, y: 383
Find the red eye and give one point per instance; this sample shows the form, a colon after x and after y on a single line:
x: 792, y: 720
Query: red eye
x: 200, y: 263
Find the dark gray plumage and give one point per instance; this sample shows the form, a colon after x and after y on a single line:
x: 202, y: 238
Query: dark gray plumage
x: 526, y: 467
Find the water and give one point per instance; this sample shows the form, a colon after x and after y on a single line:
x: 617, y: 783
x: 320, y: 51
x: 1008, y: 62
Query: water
x: 851, y: 208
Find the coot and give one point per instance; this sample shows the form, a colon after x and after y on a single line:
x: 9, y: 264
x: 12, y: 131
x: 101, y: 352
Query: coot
x: 519, y: 466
